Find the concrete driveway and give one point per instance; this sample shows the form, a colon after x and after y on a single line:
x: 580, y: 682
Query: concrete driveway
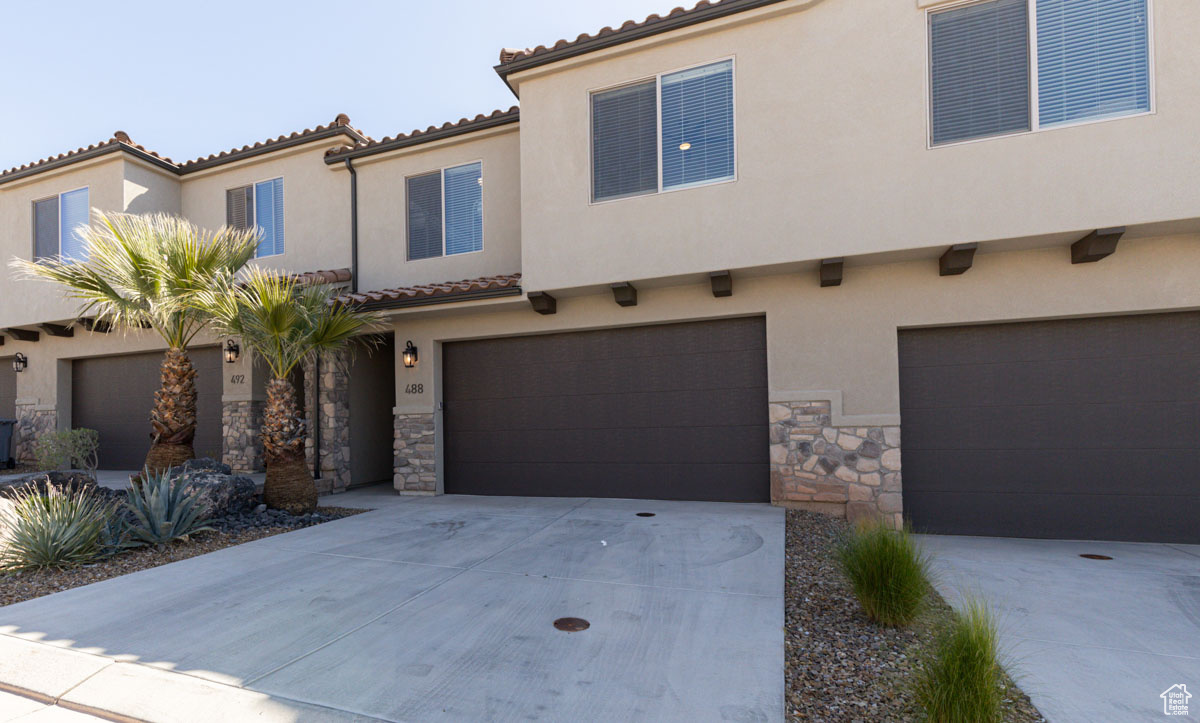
x: 436, y: 607
x: 1088, y: 640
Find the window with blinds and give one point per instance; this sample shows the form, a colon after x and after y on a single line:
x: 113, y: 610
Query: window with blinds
x: 671, y: 132
x: 1091, y: 59
x: 259, y: 205
x: 697, y: 126
x: 445, y: 212
x: 58, y: 223
x: 979, y: 60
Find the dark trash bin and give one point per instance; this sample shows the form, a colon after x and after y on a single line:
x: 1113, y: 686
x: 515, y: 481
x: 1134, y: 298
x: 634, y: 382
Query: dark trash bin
x: 6, y: 443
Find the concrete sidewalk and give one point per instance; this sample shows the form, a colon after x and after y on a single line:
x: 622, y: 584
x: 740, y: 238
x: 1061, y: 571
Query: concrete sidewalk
x: 1088, y: 640
x: 433, y: 607
x: 118, y: 479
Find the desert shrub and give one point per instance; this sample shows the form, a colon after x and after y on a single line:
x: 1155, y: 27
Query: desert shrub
x: 75, y: 448
x: 53, y: 528
x: 161, y: 510
x: 887, y: 570
x: 962, y: 680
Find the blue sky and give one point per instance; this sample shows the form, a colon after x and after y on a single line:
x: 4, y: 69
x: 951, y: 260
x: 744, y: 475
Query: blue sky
x: 191, y: 78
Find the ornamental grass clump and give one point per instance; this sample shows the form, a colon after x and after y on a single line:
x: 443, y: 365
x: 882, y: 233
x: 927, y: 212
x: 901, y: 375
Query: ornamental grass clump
x: 161, y: 510
x: 962, y: 680
x: 54, y: 529
x: 888, y: 572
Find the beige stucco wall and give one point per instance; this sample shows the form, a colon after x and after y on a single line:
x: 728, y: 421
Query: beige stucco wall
x: 316, y: 204
x: 832, y: 157
x: 27, y: 302
x: 839, y: 343
x: 383, y: 217
x: 150, y: 190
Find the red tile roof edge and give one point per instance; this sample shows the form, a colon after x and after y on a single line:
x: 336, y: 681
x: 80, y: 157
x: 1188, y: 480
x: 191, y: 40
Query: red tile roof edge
x: 432, y: 133
x: 513, y: 59
x: 440, y: 290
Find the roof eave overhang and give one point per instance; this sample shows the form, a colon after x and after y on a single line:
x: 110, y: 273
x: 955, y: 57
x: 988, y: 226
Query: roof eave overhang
x: 387, y: 304
x: 426, y: 137
x: 620, y: 37
x: 271, y: 147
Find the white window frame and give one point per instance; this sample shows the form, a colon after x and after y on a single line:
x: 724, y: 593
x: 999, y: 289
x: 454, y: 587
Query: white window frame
x: 442, y: 193
x: 657, y: 78
x: 1035, y: 125
x: 33, y: 219
x: 254, y: 203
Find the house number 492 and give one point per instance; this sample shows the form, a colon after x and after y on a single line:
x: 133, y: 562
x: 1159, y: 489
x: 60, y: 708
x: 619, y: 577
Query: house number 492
x: 414, y: 389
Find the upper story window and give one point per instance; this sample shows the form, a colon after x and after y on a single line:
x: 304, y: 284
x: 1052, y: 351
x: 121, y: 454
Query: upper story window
x: 445, y: 212
x: 1008, y: 66
x: 56, y: 225
x: 258, y: 204
x: 673, y: 131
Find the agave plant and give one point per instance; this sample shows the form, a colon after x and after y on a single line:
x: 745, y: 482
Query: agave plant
x: 285, y: 322
x: 54, y: 528
x: 162, y: 510
x: 143, y: 271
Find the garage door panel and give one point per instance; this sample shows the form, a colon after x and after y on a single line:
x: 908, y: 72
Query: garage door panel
x: 1010, y: 428
x: 1098, y: 338
x: 654, y: 406
x: 1101, y: 472
x: 8, y: 391
x: 706, y: 482
x: 663, y: 445
x: 1071, y: 517
x: 689, y: 408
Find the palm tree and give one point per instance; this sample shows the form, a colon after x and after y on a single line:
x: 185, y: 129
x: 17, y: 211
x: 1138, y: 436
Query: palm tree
x: 286, y: 322
x: 144, y: 271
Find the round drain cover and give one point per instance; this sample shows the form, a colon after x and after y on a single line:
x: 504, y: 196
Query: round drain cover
x: 645, y: 514
x: 1094, y: 556
x: 572, y: 625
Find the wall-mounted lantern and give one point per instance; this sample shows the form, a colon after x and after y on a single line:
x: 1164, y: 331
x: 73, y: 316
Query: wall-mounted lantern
x: 20, y: 361
x: 232, y: 352
x: 409, y: 355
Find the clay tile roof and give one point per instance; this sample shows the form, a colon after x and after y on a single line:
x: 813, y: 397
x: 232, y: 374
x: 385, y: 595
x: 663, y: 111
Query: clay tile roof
x: 444, y: 291
x: 331, y: 276
x: 339, y: 126
x: 514, y: 59
x: 432, y: 133
x: 120, y: 141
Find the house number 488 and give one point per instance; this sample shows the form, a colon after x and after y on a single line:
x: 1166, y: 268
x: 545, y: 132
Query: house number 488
x: 414, y: 389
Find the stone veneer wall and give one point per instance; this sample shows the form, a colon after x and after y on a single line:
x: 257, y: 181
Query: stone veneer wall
x: 853, y: 471
x: 332, y: 392
x: 241, y: 425
x: 33, y: 420
x: 416, y: 454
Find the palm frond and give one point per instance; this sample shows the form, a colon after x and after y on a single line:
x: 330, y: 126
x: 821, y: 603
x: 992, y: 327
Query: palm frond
x: 145, y: 270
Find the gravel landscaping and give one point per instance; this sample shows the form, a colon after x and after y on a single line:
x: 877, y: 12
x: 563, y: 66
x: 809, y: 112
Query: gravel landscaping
x: 234, y: 529
x: 841, y: 666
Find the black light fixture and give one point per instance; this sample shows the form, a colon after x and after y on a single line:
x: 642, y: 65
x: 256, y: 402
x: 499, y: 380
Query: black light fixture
x: 409, y: 355
x: 20, y: 361
x: 232, y: 352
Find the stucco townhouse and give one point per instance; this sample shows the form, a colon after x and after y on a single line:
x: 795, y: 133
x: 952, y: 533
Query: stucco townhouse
x: 918, y: 257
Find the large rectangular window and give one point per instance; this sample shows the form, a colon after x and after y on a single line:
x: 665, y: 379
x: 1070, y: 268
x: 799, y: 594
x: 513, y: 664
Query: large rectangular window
x: 1008, y: 66
x: 673, y: 131
x: 445, y: 212
x: 258, y: 205
x: 57, y: 225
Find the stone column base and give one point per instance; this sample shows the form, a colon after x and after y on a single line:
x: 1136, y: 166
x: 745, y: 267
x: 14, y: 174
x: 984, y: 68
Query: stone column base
x: 33, y: 420
x: 241, y: 427
x: 415, y: 454
x: 850, y: 471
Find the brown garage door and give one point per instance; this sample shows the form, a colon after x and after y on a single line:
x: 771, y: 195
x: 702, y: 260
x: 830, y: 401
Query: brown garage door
x: 1080, y: 429
x: 114, y: 395
x: 8, y: 390
x: 659, y: 412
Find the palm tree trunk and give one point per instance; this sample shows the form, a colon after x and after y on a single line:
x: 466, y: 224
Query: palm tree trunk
x: 174, y: 415
x: 289, y: 484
